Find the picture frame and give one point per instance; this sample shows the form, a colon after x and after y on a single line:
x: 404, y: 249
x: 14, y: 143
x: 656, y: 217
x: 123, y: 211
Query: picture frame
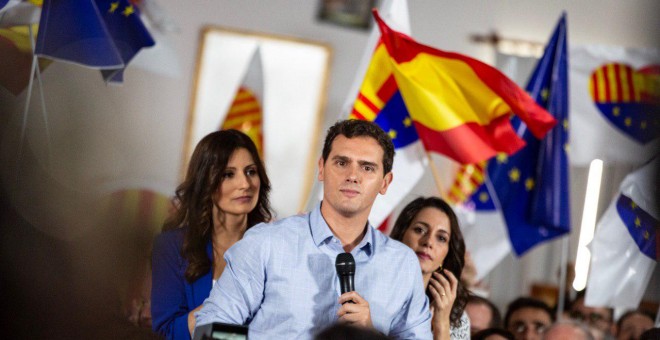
x: 295, y: 80
x: 347, y: 13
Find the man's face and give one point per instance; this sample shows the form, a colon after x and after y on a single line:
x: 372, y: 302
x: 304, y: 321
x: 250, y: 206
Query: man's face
x: 528, y: 323
x: 596, y: 317
x: 352, y: 176
x: 480, y: 316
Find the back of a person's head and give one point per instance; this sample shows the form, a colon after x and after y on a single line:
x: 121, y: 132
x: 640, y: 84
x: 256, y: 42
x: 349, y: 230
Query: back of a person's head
x: 348, y: 332
x: 568, y: 329
x: 493, y: 333
x: 526, y: 302
x: 496, y: 317
x: 651, y: 334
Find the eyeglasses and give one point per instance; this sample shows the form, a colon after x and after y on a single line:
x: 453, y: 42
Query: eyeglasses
x: 590, y: 318
x: 537, y: 327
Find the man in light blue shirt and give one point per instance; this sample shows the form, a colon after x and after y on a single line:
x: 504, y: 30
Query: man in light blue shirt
x: 280, y: 279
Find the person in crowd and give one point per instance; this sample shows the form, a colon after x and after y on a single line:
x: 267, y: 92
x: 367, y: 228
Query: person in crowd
x: 348, y: 332
x: 482, y: 314
x: 494, y: 333
x: 281, y: 280
x: 632, y: 324
x: 528, y: 318
x: 568, y: 329
x: 225, y: 192
x: 430, y: 228
x: 650, y: 334
x: 598, y: 318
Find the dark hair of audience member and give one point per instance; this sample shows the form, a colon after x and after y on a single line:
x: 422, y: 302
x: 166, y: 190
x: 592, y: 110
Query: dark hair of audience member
x: 526, y: 302
x: 485, y: 333
x: 630, y: 313
x: 454, y: 261
x: 347, y: 332
x: 194, y: 197
x: 496, y: 319
x: 650, y: 334
x: 360, y: 128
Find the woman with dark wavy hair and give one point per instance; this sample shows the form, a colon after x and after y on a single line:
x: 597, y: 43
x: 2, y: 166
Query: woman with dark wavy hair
x: 429, y: 226
x: 225, y: 192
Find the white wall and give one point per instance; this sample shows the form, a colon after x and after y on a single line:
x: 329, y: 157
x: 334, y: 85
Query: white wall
x: 102, y: 135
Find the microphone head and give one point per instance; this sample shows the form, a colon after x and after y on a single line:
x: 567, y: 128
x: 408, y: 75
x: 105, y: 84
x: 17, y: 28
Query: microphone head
x: 345, y: 264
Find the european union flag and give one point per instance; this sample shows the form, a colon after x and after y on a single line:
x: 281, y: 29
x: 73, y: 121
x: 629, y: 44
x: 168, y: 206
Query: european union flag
x: 531, y: 187
x: 103, y: 34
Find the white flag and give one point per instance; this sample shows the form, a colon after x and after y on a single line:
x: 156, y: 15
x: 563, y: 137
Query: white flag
x: 614, y: 107
x: 624, y: 249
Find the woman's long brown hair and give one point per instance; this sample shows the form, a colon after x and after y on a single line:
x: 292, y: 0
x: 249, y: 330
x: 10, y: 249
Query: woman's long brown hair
x: 194, y: 197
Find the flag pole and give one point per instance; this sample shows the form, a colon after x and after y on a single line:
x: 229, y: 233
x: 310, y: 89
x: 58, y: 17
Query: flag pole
x: 562, y: 277
x: 28, y: 97
x: 44, y: 113
x: 436, y: 177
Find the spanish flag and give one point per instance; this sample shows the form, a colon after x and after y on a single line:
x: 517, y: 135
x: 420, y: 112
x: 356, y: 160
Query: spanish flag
x: 460, y: 107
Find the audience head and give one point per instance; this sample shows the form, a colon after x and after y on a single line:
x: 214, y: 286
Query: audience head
x: 651, y: 334
x: 568, y: 329
x: 493, y: 334
x: 360, y: 128
x: 527, y: 318
x: 632, y: 324
x: 347, y: 332
x: 429, y: 226
x: 483, y: 314
x: 597, y: 317
x: 213, y: 174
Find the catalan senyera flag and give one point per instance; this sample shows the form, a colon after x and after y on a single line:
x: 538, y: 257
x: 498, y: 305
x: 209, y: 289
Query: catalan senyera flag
x: 459, y: 106
x: 246, y: 111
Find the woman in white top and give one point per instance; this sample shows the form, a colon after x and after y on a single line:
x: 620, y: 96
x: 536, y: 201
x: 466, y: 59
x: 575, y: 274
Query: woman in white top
x: 429, y: 226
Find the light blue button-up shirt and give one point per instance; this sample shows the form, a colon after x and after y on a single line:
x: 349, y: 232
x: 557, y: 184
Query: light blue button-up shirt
x: 280, y: 279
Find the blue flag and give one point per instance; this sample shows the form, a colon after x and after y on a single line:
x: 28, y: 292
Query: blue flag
x: 531, y: 187
x: 103, y: 34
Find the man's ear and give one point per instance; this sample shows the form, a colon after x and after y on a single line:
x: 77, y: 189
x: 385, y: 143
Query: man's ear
x: 321, y: 163
x: 386, y: 183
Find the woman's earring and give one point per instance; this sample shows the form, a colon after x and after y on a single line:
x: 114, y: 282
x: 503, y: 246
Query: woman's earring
x: 441, y: 268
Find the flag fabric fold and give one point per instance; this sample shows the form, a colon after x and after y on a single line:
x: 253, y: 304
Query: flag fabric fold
x: 102, y: 34
x: 459, y: 106
x: 626, y: 246
x: 528, y: 192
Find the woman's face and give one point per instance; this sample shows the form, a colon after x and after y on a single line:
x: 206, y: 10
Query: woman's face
x: 428, y: 235
x: 239, y: 185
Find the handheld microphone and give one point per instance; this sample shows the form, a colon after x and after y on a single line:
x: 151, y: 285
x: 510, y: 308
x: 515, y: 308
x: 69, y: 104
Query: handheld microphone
x: 345, y: 265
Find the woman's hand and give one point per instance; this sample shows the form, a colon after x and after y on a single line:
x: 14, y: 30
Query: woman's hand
x: 356, y: 313
x: 191, y: 319
x: 443, y: 290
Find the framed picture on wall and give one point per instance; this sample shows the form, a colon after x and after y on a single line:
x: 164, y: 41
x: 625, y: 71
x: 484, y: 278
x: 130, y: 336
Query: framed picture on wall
x: 271, y: 87
x: 348, y: 13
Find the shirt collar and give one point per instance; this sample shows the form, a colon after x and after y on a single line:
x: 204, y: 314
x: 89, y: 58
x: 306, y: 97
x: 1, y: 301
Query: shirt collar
x: 321, y: 231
